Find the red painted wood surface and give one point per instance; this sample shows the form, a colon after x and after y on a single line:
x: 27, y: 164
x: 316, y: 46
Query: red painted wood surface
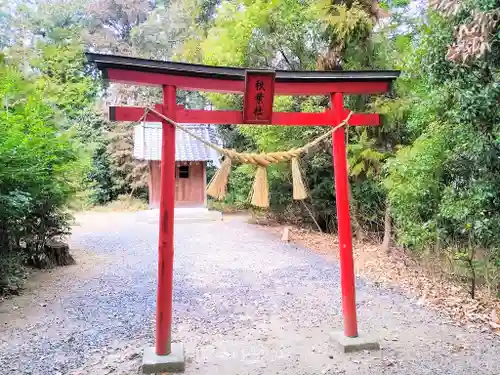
x: 344, y: 221
x: 323, y: 88
x: 181, y: 82
x: 362, y: 119
x: 133, y: 114
x: 238, y: 86
x: 329, y: 118
x: 259, y: 97
x: 166, y: 234
x: 199, y: 116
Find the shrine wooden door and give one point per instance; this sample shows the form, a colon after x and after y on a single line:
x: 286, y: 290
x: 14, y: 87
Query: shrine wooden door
x: 189, y: 184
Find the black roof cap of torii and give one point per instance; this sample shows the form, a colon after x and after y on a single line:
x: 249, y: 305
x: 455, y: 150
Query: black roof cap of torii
x: 104, y: 62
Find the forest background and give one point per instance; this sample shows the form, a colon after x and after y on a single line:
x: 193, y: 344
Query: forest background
x: 427, y: 180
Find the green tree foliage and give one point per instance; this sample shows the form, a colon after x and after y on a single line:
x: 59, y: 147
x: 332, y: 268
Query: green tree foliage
x: 434, y: 160
x: 60, y: 71
x: 432, y: 166
x: 49, y: 131
x: 37, y: 174
x: 295, y: 35
x: 443, y: 186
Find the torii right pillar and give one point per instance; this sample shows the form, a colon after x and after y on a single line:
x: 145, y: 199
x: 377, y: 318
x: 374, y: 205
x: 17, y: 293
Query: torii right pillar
x: 348, y: 340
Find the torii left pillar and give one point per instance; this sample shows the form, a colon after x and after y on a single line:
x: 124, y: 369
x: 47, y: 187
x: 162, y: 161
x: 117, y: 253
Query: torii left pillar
x: 166, y: 356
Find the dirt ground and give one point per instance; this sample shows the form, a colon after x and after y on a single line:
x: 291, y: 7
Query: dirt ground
x: 42, y: 287
x: 245, y: 302
x: 423, y: 280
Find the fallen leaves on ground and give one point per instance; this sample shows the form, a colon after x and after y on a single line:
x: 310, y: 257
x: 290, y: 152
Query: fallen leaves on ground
x: 399, y: 269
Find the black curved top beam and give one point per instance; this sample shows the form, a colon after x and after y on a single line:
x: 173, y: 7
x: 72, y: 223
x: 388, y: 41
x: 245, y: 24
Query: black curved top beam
x: 104, y: 62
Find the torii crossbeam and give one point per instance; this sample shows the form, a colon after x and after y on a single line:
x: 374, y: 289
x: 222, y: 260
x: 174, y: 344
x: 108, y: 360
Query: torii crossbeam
x: 259, y: 88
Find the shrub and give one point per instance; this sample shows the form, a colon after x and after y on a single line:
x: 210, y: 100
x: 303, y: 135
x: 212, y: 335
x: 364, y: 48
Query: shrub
x: 37, y: 167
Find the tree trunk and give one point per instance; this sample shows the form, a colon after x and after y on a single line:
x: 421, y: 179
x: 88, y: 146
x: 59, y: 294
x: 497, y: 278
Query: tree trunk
x: 470, y: 262
x: 358, y: 231
x: 387, y: 229
x: 55, y: 253
x: 311, y: 215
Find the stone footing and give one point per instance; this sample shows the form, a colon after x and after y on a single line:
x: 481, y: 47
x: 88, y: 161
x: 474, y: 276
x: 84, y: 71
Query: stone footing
x: 173, y: 362
x: 354, y: 344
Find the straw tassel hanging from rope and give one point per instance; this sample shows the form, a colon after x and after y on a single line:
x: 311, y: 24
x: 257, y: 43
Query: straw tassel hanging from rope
x: 299, y: 189
x: 260, y: 189
x: 218, y: 184
x: 217, y: 187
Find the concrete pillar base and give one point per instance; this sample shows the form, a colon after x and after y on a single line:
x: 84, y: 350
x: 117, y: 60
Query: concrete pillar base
x: 354, y: 344
x: 173, y: 362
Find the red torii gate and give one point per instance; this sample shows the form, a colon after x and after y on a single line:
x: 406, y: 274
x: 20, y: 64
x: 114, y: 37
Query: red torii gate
x: 258, y: 88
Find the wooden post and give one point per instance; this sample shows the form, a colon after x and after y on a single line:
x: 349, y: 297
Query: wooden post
x: 150, y: 184
x: 347, y: 280
x: 205, y: 198
x: 166, y: 235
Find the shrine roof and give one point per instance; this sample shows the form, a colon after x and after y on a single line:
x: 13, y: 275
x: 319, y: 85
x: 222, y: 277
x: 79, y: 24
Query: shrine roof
x: 105, y: 62
x: 148, y: 136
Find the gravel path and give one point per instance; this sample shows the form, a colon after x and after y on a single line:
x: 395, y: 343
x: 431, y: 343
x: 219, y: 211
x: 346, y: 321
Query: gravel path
x: 244, y: 303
